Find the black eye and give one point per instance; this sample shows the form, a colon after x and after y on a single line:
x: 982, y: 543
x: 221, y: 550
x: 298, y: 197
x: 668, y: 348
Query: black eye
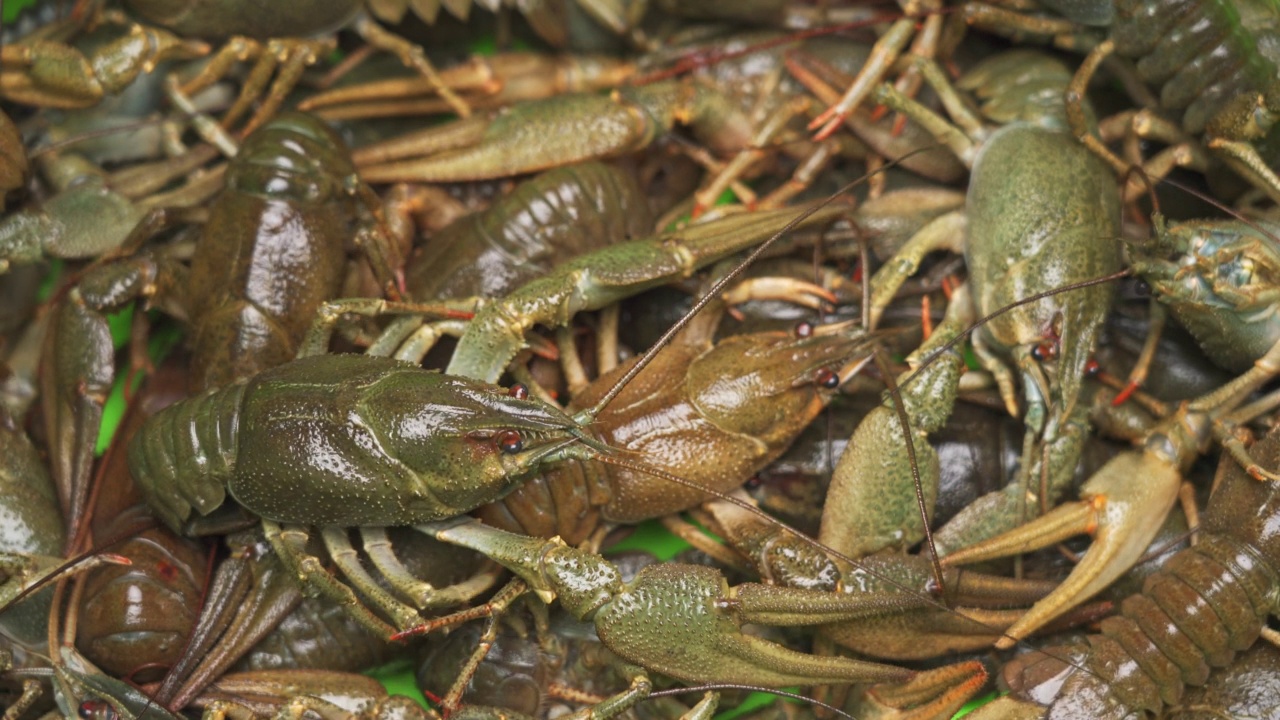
x: 519, y: 391
x: 1142, y: 288
x: 1044, y: 351
x: 804, y: 329
x: 509, y: 441
x: 827, y: 379
x: 1092, y: 368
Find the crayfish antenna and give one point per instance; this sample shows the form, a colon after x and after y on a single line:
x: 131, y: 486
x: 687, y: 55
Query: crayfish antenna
x: 719, y: 286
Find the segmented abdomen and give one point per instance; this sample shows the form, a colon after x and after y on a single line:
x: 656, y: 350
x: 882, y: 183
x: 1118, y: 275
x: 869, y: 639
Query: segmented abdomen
x: 553, y: 217
x: 1208, y: 603
x: 318, y: 634
x: 565, y: 501
x: 183, y: 457
x: 137, y: 617
x: 1199, y: 52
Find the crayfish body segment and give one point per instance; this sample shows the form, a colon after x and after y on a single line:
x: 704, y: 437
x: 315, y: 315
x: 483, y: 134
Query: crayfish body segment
x: 357, y: 440
x: 213, y: 19
x: 273, y: 250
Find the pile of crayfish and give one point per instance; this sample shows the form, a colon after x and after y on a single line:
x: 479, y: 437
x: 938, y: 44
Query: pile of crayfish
x: 347, y: 335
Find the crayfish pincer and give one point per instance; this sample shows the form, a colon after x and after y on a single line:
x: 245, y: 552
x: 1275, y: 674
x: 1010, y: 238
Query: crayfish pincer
x: 1207, y: 603
x: 684, y: 621
x: 347, y: 440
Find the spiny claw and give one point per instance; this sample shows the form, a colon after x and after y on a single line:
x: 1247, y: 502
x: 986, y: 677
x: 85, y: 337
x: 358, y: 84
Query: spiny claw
x: 681, y: 620
x: 1122, y: 507
x: 596, y: 279
x: 717, y: 645
x: 982, y: 606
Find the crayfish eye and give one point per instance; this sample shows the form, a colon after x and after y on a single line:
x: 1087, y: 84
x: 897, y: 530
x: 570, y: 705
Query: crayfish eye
x: 519, y: 391
x: 509, y: 441
x: 1044, y: 351
x: 93, y: 709
x: 828, y: 379
x: 1092, y: 368
x: 1142, y: 288
x: 804, y: 329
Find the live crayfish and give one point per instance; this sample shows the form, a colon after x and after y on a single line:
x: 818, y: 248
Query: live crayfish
x: 1018, y: 225
x: 1228, y: 265
x: 289, y: 202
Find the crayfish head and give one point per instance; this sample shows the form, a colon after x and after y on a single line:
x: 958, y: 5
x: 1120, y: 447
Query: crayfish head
x: 460, y: 443
x: 771, y: 385
x: 474, y: 442
x: 1214, y: 276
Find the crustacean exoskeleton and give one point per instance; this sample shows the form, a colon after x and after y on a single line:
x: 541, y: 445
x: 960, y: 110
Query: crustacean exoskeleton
x: 516, y: 436
x: 289, y: 209
x: 1023, y: 229
x: 1208, y: 603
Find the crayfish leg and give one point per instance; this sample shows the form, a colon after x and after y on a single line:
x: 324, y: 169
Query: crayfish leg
x: 290, y: 545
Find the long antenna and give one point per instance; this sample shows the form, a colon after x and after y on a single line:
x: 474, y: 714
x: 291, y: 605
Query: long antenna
x: 718, y: 287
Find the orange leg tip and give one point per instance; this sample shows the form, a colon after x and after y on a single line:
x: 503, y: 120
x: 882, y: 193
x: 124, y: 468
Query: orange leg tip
x: 899, y: 124
x: 828, y: 131
x: 878, y: 114
x: 827, y: 123
x: 1122, y: 396
x: 696, y: 212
